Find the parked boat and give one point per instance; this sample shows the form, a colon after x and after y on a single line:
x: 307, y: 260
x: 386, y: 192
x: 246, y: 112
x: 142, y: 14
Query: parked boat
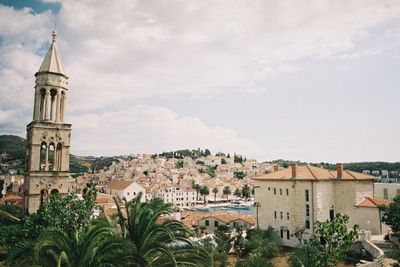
x: 203, y: 208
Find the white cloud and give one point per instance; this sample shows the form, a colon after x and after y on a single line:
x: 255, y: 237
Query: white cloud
x: 148, y: 129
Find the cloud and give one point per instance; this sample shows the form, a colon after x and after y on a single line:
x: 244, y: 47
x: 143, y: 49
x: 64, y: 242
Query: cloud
x: 119, y: 53
x: 148, y: 129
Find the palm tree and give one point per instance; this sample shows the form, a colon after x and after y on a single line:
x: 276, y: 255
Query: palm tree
x: 8, y: 216
x: 227, y: 191
x: 159, y: 243
x: 204, y: 191
x: 237, y: 192
x: 196, y: 187
x: 246, y: 192
x: 96, y: 245
x: 215, y: 191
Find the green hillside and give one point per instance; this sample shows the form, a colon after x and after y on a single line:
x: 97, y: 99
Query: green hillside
x: 12, y: 156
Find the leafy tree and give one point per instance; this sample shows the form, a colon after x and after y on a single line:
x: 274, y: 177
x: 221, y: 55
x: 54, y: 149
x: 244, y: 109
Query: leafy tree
x: 94, y: 245
x: 227, y: 191
x: 228, y: 156
x: 211, y: 171
x: 204, y: 191
x: 199, y: 162
x: 237, y: 159
x: 220, y: 154
x: 246, y: 192
x: 265, y: 242
x: 329, y: 245
x: 207, y: 152
x: 223, y: 161
x: 239, y: 175
x: 391, y: 214
x: 179, y: 164
x: 215, y: 191
x: 159, y: 243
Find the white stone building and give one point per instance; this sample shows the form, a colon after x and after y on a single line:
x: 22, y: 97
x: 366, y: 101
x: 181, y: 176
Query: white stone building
x: 125, y: 189
x: 178, y: 195
x: 298, y: 196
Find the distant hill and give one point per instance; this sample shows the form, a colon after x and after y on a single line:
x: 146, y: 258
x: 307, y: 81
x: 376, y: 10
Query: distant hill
x: 12, y: 154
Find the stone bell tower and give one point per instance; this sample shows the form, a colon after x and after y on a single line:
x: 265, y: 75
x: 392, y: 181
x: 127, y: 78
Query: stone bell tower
x: 48, y: 136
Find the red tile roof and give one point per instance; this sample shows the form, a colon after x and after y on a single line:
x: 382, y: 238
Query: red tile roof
x: 373, y: 202
x: 308, y: 172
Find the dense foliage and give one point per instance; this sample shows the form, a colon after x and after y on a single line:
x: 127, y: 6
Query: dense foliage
x: 328, y: 246
x: 391, y: 214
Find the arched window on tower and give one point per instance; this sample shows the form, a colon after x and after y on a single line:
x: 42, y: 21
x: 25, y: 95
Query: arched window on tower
x: 42, y: 103
x: 53, y: 103
x: 44, y: 195
x: 62, y: 106
x: 43, y: 149
x: 58, y: 156
x: 51, y: 157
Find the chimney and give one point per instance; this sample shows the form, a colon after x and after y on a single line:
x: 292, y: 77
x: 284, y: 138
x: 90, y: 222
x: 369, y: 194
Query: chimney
x: 294, y: 170
x: 339, y: 170
x: 276, y: 167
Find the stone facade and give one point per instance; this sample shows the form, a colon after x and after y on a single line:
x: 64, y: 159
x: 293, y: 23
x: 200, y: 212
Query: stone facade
x: 48, y: 136
x: 294, y: 199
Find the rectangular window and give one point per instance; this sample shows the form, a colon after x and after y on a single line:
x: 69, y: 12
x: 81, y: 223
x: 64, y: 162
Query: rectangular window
x: 282, y: 234
x: 280, y: 191
x: 269, y: 188
x: 207, y: 223
x: 215, y: 223
x: 307, y: 195
x: 287, y: 216
x: 274, y: 191
x: 287, y: 192
x: 281, y: 215
x: 385, y: 193
x: 307, y: 224
x: 288, y: 234
x: 275, y: 214
x: 307, y: 210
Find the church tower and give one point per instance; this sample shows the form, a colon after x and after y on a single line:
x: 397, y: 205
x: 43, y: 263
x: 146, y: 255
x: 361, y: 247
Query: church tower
x: 48, y: 136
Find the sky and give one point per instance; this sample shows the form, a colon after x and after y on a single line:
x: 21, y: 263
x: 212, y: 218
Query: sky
x: 300, y: 80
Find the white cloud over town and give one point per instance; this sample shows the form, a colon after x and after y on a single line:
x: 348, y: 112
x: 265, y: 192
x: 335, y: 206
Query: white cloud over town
x: 119, y: 53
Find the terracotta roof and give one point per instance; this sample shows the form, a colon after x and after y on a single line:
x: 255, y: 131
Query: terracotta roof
x: 230, y: 217
x: 118, y: 184
x: 11, y: 198
x: 373, y: 202
x: 308, y: 172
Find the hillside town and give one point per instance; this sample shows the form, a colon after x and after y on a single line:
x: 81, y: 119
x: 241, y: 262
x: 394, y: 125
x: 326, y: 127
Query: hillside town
x: 189, y: 207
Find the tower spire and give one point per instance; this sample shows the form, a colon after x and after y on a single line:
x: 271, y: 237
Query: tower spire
x: 52, y: 62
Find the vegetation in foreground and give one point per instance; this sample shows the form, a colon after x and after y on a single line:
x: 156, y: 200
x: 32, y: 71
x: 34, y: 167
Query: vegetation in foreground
x: 64, y: 233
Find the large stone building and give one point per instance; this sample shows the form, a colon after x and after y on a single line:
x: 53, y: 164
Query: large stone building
x: 298, y: 196
x: 48, y: 135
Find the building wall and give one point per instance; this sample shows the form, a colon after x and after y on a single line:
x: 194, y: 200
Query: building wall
x: 368, y: 218
x: 210, y: 229
x: 294, y: 204
x: 324, y: 196
x: 392, y: 190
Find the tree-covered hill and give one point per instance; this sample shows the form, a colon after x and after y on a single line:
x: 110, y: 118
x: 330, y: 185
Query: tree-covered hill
x: 12, y: 156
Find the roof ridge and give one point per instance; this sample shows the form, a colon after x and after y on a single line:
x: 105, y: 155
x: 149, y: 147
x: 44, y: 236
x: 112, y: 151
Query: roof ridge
x: 308, y: 167
x: 351, y: 174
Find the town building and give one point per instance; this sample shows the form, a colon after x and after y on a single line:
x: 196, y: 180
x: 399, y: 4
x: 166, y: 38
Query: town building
x: 296, y: 197
x: 125, y: 189
x: 178, y: 195
x: 232, y: 220
x: 48, y: 135
x: 386, y: 190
